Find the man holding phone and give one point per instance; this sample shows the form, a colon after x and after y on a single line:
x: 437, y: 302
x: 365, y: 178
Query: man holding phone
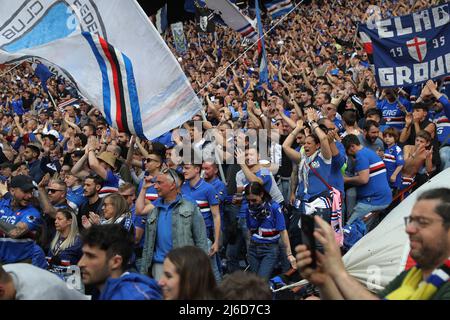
x: 428, y: 228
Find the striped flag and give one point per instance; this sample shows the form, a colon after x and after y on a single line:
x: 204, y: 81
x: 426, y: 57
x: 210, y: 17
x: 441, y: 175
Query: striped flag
x: 231, y: 15
x: 138, y: 85
x: 278, y: 8
x: 161, y: 19
x: 263, y: 70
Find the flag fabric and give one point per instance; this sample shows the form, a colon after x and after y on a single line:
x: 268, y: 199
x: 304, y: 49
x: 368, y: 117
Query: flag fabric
x: 205, y: 20
x: 157, y: 98
x: 189, y: 6
x: 410, y: 49
x: 278, y: 8
x: 263, y: 70
x: 161, y: 19
x: 231, y: 15
x: 43, y: 73
x: 67, y: 103
x: 179, y: 38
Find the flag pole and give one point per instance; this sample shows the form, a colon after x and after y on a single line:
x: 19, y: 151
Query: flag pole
x: 53, y: 100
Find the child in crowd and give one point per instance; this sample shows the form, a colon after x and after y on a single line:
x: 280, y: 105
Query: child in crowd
x: 393, y: 158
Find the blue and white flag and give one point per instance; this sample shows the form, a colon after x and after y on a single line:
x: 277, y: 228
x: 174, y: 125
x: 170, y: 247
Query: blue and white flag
x: 231, y: 15
x: 278, y: 8
x: 263, y: 70
x: 411, y: 49
x: 134, y: 79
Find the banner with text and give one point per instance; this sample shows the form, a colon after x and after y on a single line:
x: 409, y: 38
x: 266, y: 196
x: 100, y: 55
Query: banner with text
x: 410, y: 49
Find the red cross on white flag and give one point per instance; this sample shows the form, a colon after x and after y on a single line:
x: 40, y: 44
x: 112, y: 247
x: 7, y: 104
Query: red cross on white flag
x: 417, y: 48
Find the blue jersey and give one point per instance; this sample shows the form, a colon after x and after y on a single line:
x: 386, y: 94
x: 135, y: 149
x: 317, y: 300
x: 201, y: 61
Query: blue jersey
x: 131, y: 286
x: 241, y: 182
x: 151, y: 194
x: 393, y: 157
x: 76, y: 197
x: 138, y: 222
x: 392, y: 114
x: 72, y: 253
x: 205, y: 196
x: 15, y: 250
x: 337, y: 162
x: 267, y: 230
x: 339, y: 125
x: 442, y: 121
x: 111, y: 184
x: 221, y: 190
x: 313, y: 186
x: 377, y: 190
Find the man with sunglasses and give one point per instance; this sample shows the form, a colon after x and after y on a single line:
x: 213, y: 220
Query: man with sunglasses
x: 174, y: 222
x: 52, y: 197
x: 428, y: 229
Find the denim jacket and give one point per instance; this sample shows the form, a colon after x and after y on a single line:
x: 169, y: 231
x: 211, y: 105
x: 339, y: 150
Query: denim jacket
x: 188, y: 229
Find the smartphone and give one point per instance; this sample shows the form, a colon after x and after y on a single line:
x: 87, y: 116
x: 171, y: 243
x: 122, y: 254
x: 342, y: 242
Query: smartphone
x: 306, y: 225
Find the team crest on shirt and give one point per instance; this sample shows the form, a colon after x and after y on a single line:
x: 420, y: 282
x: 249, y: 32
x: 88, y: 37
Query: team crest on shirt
x: 315, y: 164
x: 31, y: 219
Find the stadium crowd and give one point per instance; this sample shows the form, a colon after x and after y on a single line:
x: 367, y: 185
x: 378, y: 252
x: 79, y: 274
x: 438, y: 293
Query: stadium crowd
x: 320, y: 138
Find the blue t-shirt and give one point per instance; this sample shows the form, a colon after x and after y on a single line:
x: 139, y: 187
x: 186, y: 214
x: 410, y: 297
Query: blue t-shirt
x: 14, y: 250
x: 314, y: 186
x: 205, y: 196
x: 111, y: 184
x: 164, y: 241
x: 392, y: 114
x: 393, y: 157
x: 337, y: 162
x: 377, y: 190
x: 72, y: 254
x: 267, y: 230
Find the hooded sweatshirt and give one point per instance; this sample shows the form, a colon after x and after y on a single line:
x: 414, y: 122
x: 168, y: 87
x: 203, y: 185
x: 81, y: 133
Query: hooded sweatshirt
x: 131, y: 286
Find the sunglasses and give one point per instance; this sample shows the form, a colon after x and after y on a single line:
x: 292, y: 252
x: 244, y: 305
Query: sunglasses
x: 151, y: 159
x: 173, y: 174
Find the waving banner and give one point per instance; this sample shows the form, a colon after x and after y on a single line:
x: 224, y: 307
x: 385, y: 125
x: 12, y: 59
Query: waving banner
x: 141, y: 83
x: 410, y: 49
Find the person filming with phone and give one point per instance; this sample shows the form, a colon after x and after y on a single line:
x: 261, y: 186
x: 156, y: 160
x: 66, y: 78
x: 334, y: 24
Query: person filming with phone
x: 428, y: 229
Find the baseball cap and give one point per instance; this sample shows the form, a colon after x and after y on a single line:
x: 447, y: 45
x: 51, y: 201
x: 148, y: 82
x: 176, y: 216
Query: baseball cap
x: 25, y: 183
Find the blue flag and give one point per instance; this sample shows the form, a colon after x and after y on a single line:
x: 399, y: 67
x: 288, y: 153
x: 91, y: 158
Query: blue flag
x: 43, y: 73
x: 410, y: 49
x: 263, y: 70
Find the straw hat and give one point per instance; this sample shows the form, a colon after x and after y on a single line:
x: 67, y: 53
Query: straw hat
x: 108, y: 157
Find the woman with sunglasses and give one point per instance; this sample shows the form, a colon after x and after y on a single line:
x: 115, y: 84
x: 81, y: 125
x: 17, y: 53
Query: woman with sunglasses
x: 115, y: 211
x: 65, y: 247
x: 266, y: 224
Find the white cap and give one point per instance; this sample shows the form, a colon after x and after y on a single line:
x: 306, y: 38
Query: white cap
x: 53, y: 133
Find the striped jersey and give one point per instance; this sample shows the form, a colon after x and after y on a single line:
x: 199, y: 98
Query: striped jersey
x: 392, y: 114
x: 111, y: 184
x: 16, y: 250
x: 393, y: 157
x: 151, y: 194
x: 267, y: 230
x: 205, y: 196
x: 376, y: 191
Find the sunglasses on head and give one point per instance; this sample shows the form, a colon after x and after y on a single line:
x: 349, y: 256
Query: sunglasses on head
x: 173, y: 174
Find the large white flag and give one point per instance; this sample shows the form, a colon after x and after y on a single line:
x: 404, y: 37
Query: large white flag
x: 133, y: 79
